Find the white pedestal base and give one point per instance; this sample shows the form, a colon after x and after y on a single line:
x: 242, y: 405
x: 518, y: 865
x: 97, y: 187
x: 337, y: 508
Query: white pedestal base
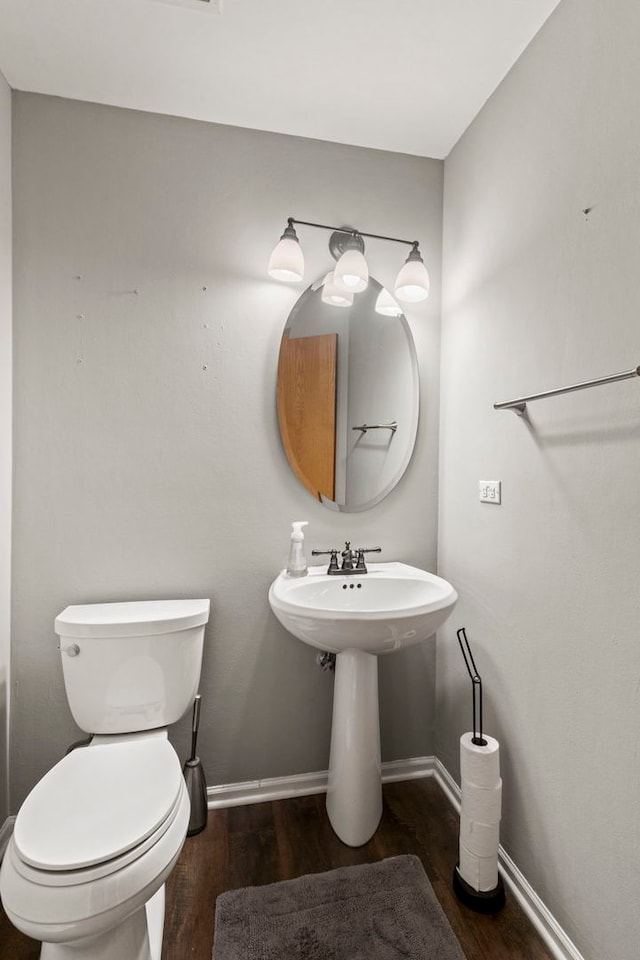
x: 354, y: 792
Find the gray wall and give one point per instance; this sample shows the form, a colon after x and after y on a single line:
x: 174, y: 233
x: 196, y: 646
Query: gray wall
x: 539, y: 295
x: 147, y: 458
x: 5, y: 434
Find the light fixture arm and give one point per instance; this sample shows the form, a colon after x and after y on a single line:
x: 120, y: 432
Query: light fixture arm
x: 353, y: 232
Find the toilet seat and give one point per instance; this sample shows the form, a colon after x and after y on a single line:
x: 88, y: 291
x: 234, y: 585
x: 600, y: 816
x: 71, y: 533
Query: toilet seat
x: 52, y: 912
x: 86, y: 799
x: 71, y: 878
x: 99, y: 808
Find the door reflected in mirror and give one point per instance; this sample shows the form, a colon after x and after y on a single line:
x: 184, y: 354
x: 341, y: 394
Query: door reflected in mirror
x: 348, y: 396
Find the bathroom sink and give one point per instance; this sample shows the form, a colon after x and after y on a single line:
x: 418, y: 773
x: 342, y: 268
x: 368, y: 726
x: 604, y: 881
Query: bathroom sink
x: 358, y: 617
x: 392, y: 606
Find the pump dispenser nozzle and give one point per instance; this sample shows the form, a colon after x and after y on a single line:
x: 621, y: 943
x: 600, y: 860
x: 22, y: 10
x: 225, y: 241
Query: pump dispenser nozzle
x: 297, y: 565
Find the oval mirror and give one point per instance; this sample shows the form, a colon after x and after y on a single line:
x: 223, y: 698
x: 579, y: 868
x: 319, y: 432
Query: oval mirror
x: 348, y: 396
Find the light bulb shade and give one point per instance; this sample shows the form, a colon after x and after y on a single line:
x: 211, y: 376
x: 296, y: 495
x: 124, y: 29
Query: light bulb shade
x: 332, y: 295
x: 351, y: 273
x: 287, y: 262
x: 412, y: 283
x: 386, y: 305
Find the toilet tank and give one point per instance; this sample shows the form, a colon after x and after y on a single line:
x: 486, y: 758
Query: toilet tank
x: 131, y: 666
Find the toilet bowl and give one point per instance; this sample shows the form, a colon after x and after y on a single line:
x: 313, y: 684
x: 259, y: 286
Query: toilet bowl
x: 94, y: 841
x: 97, y: 837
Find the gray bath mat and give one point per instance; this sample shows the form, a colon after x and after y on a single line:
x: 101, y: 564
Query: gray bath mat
x: 377, y: 911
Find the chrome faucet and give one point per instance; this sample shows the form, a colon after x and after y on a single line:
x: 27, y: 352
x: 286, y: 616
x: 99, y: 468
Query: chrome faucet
x: 349, y: 557
x: 352, y: 560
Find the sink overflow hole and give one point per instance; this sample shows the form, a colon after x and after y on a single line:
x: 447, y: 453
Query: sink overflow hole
x: 351, y: 586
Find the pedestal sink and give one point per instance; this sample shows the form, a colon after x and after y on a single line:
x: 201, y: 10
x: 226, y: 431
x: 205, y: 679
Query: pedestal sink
x: 359, y: 617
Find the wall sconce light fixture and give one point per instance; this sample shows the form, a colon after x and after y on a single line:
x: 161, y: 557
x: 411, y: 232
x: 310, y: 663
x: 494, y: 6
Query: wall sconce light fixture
x: 286, y: 262
x: 351, y: 274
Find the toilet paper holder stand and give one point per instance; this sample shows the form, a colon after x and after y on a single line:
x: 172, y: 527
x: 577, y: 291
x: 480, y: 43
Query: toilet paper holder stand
x: 476, y: 687
x: 481, y: 901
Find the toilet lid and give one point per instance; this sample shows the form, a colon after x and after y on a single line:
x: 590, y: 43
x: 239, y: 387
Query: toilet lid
x: 97, y: 803
x: 132, y: 618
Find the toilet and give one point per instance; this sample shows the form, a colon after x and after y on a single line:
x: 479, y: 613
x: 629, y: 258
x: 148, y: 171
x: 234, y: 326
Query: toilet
x: 95, y: 840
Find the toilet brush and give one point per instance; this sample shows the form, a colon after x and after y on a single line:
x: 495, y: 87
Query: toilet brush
x: 195, y: 779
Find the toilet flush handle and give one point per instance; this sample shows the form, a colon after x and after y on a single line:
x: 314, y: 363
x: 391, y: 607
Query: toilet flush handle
x: 72, y: 650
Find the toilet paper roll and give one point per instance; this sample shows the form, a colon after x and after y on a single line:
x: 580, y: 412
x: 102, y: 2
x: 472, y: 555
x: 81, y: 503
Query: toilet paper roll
x: 479, y: 764
x: 482, y: 804
x: 481, y: 873
x: 481, y: 839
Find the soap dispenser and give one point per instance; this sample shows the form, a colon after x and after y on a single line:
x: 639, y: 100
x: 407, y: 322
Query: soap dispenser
x: 297, y: 565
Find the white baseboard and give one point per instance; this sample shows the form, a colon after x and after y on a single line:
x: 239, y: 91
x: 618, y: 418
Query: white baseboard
x: 412, y: 769
x: 5, y: 834
x: 259, y: 791
x: 301, y: 785
x: 559, y: 944
x: 448, y: 785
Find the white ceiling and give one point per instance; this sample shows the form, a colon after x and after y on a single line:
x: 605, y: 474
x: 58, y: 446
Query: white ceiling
x: 400, y: 75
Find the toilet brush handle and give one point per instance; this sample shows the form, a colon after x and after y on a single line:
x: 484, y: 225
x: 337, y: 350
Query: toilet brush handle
x: 195, y: 724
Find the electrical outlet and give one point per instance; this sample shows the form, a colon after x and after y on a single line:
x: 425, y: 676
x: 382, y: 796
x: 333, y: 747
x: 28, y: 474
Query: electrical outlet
x: 490, y: 491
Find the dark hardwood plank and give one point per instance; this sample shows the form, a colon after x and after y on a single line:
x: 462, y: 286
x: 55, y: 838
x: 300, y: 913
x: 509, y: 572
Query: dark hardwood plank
x: 14, y: 945
x: 265, y: 842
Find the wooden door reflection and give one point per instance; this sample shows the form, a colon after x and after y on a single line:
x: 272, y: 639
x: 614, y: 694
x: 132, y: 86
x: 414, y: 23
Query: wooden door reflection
x: 307, y: 409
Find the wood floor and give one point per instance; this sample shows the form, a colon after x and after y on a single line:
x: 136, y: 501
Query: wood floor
x: 264, y: 842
